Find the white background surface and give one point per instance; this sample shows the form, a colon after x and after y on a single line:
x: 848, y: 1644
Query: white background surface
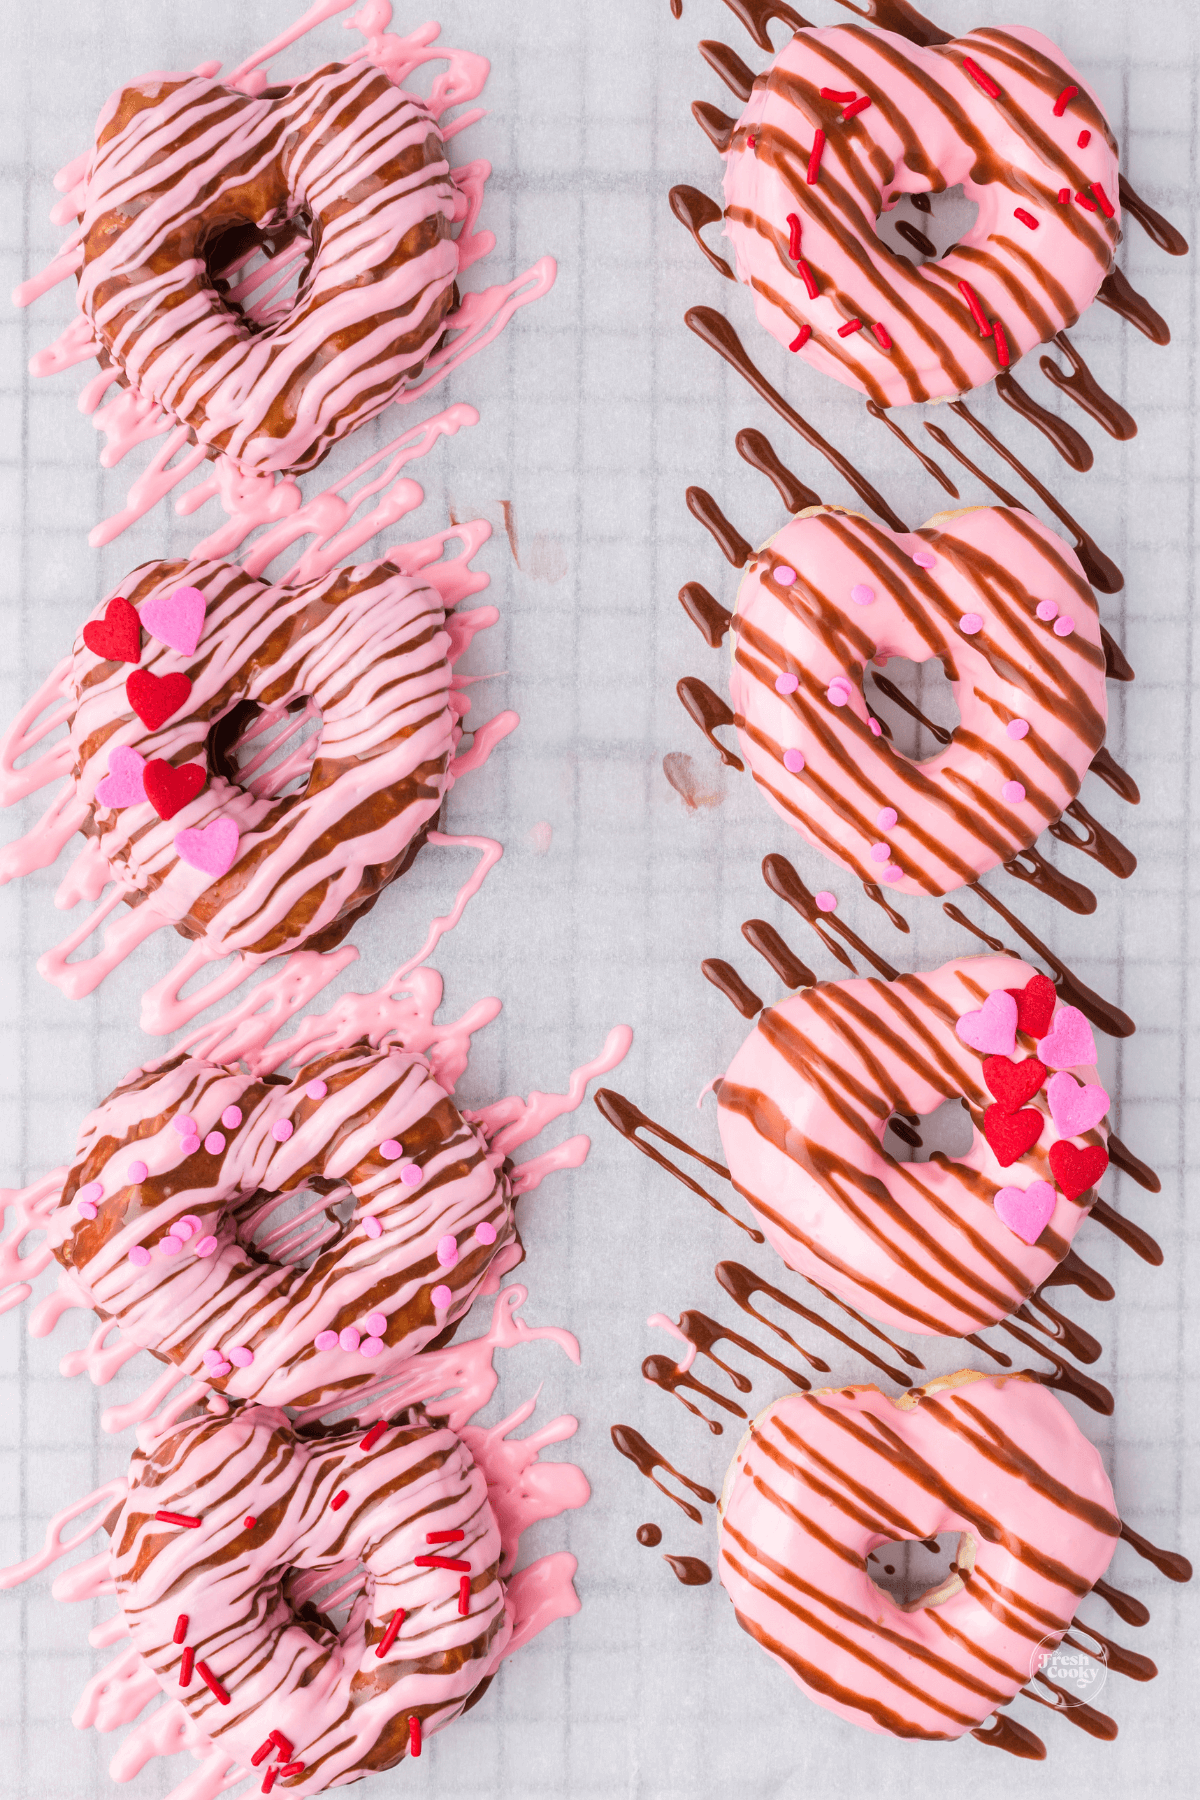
x: 599, y: 408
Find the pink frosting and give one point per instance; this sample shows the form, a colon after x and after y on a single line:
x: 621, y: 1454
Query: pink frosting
x: 956, y: 812
x: 823, y: 1479
x: 930, y: 126
x: 803, y: 1108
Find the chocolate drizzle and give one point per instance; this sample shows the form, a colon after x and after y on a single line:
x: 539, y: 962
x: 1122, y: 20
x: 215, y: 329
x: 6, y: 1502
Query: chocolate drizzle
x: 912, y: 234
x: 689, y: 1569
x: 1168, y: 1562
x: 727, y: 537
x: 783, y: 880
x: 726, y: 979
x: 1129, y: 1164
x: 1126, y: 1607
x: 1083, y: 388
x: 1130, y: 1234
x: 1160, y: 230
x: 766, y: 940
x: 695, y: 210
x: 1063, y: 1377
x: 756, y: 449
x: 1117, y: 294
x: 709, y: 712
x: 717, y: 126
x: 1072, y: 1271
x: 729, y: 66
x: 1008, y: 1734
x: 704, y: 1332
x: 629, y: 1119
x: 1070, y: 444
x: 1117, y: 778
x: 901, y: 699
x: 756, y: 15
x: 710, y: 618
x: 1120, y: 1660
x: 1097, y: 841
x: 1031, y: 867
x: 1102, y: 1013
x: 903, y: 19
x: 649, y: 1536
x: 1076, y: 1712
x: 1115, y: 666
x: 646, y: 1458
x: 741, y: 1284
x: 927, y: 463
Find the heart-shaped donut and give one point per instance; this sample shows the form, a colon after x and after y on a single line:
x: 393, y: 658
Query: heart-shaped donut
x: 342, y: 164
x: 1002, y: 604
x: 824, y: 1479
x: 803, y: 1109
x: 848, y: 120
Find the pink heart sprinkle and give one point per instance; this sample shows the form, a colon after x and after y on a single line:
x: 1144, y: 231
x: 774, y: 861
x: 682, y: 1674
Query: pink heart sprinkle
x: 485, y: 1232
x: 176, y: 619
x: 214, y: 1143
x: 1065, y: 626
x: 282, y: 1130
x: 189, y: 1145
x: 212, y: 848
x: 880, y: 853
x: 862, y: 595
x: 372, y: 1227
x: 137, y: 1171
x: 185, y: 1125
x: 87, y: 1208
x: 241, y: 1356
x: 441, y: 1297
x: 1012, y: 793
x: 231, y: 1118
x: 317, y: 1090
x: 793, y: 761
x: 139, y: 1255
x: 91, y: 1193
x: 924, y: 559
x: 970, y: 623
x: 992, y: 1029
x: 785, y: 576
x: 170, y: 1245
x: 349, y: 1339
x: 1026, y: 1211
x: 1047, y: 610
x: 1069, y: 1044
x: 1017, y: 728
x: 893, y: 872
x: 370, y: 1346
x: 376, y: 1323
x: 447, y: 1250
x: 410, y: 1175
x: 1074, y: 1107
x: 826, y: 902
x: 390, y: 1149
x: 123, y: 785
x: 786, y: 684
x: 206, y: 1246
x: 326, y: 1340
x: 886, y: 818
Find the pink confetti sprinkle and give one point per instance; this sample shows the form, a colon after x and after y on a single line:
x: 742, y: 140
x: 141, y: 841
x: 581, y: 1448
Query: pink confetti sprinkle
x: 189, y: 1145
x: 231, y: 1118
x: 376, y: 1323
x: 924, y: 559
x: 410, y: 1175
x: 886, y: 817
x: 214, y: 1143
x: 91, y: 1193
x: 970, y: 623
x: 212, y: 1358
x: 170, y: 1245
x: 317, y: 1090
x: 1017, y: 728
x: 242, y: 1355
x: 1065, y: 626
x: 87, y: 1208
x: 880, y: 853
x: 826, y: 901
x: 326, y: 1340
x: 185, y: 1125
x: 192, y: 1222
x: 282, y: 1130
x: 182, y: 1230
x: 1047, y: 610
x: 372, y: 1227
x: 206, y: 1246
x: 219, y: 1369
x: 485, y: 1232
x: 793, y: 761
x: 785, y: 576
x: 786, y: 684
x: 838, y: 694
x: 137, y: 1171
x: 139, y: 1255
x: 370, y: 1346
x: 893, y: 872
x: 349, y: 1339
x: 441, y: 1297
x: 862, y: 595
x: 1012, y: 792
x: 390, y: 1149
x: 876, y: 727
x: 447, y: 1250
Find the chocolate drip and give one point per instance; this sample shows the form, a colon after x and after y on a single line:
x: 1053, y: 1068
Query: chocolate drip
x: 1160, y: 230
x: 741, y: 1284
x: 704, y: 1332
x: 1138, y: 1240
x: 649, y: 1536
x: 912, y: 234
x: 677, y: 9
x: 728, y: 538
x: 922, y: 202
x: 1100, y: 569
x: 1074, y: 1339
x: 664, y: 1373
x: 1125, y: 1606
x: 904, y: 1131
x: 927, y: 463
x: 900, y: 699
x: 766, y: 940
x: 874, y: 892
x: 1063, y: 1378
x: 629, y: 1119
x: 720, y: 336
x: 1008, y: 1734
x: 695, y: 210
x: 1117, y: 294
x: 1076, y: 1712
x: 717, y: 126
x: 1097, y: 841
x: 1070, y: 444
x: 646, y: 1458
x: 1115, y: 666
x: 985, y: 937
x: 997, y: 1356
x: 1118, y: 779
x: 1031, y: 866
x: 1102, y: 1014
x: 1120, y: 1660
x: 709, y: 711
x: 710, y: 618
x: 756, y: 15
x: 725, y: 977
x: 783, y: 880
x: 903, y: 19
x: 1072, y: 1271
x: 1082, y: 387
x: 1132, y: 1165
x: 1167, y: 1562
x: 690, y: 1570
x: 729, y: 66
x: 753, y: 447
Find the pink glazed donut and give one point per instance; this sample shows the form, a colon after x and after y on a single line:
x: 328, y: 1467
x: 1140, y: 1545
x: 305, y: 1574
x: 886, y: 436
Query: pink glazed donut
x: 850, y: 118
x: 823, y: 1479
x: 1002, y: 603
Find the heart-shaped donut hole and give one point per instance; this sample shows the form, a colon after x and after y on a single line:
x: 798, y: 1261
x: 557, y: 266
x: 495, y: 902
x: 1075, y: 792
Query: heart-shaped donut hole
x: 919, y: 1571
x: 269, y: 751
x: 915, y: 701
x: 927, y: 232
x: 946, y: 1131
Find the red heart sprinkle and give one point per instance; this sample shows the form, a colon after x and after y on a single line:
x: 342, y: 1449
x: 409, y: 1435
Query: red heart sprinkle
x: 168, y: 789
x: 1013, y: 1083
x: 1011, y: 1134
x: 1077, y: 1170
x: 155, y: 697
x: 118, y: 636
x: 1035, y: 1005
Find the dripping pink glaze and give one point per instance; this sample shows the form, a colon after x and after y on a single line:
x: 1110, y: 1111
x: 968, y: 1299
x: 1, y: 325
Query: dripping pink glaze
x: 823, y: 1479
x: 802, y: 1111
x: 930, y: 127
x: 953, y: 821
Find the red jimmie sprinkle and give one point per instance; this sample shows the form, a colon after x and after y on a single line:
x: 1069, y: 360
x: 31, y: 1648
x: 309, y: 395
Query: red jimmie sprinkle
x: 808, y: 278
x: 269, y: 1779
x: 171, y: 1518
x: 814, y: 161
x: 181, y: 1625
x: 969, y: 295
x: 1106, y: 205
x: 882, y: 334
x: 1061, y: 104
x: 1001, y: 344
x: 1087, y: 205
x: 836, y: 94
x: 211, y: 1683
x: 185, y: 1667
x: 292, y: 1769
x: 455, y: 1563
x: 339, y: 1500
x: 850, y: 326
x: 464, y: 1596
x: 801, y: 338
x: 1026, y: 218
x: 980, y: 79
x: 262, y: 1753
x: 389, y: 1636
x: 857, y: 107
x: 1084, y: 139
x: 793, y: 220
x: 444, y: 1537
x: 1064, y: 196
x: 285, y: 1746
x: 414, y: 1735
x: 749, y: 143
x: 373, y: 1436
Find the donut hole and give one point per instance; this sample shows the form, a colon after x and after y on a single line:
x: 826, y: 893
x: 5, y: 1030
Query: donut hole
x: 269, y: 753
x: 295, y: 1228
x: 913, y: 1568
x: 925, y: 227
x: 912, y: 1137
x: 916, y: 704
x: 325, y: 1598
x: 258, y: 271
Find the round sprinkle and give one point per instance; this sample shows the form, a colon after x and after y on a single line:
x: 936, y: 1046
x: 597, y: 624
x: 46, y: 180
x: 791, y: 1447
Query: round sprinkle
x: 410, y: 1175
x: 441, y: 1296
x: 370, y: 1346
x: 826, y: 901
x: 349, y: 1339
x: 876, y: 727
x: 242, y: 1356
x: 189, y: 1145
x: 185, y: 1125
x: 182, y: 1230
x: 89, y: 1195
x: 137, y: 1171
x: 326, y: 1340
x: 893, y: 872
x: 219, y: 1369
x: 1047, y: 610
x: 793, y: 761
x: 249, y: 1521
x: 87, y: 1208
x: 390, y: 1149
x: 231, y: 1118
x: 1064, y: 627
x: 214, y: 1143
x: 880, y: 853
x: 139, y: 1255
x: 786, y: 684
x: 1017, y: 728
x: 170, y: 1246
x: 376, y: 1323
x: 282, y: 1130
x: 317, y: 1090
x: 970, y: 623
x: 212, y: 1358
x: 447, y: 1250
x: 372, y: 1227
x: 785, y: 576
x: 862, y: 595
x: 485, y: 1233
x: 838, y: 694
x: 886, y: 817
x: 924, y: 559
x: 1012, y: 792
x: 206, y: 1246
